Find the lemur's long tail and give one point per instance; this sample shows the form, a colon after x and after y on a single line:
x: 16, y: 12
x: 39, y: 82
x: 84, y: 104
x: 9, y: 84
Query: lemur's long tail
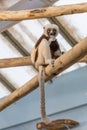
x: 44, y: 117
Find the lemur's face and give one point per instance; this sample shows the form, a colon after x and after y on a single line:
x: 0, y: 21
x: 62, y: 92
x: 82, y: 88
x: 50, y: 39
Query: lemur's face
x: 51, y: 30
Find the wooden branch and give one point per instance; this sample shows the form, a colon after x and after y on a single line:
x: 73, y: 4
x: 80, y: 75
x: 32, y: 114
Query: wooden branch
x: 61, y: 124
x: 63, y: 62
x: 84, y: 59
x: 13, y: 62
x: 23, y: 61
x: 43, y: 12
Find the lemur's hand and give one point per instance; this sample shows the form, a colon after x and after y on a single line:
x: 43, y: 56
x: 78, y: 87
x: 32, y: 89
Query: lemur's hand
x: 51, y: 62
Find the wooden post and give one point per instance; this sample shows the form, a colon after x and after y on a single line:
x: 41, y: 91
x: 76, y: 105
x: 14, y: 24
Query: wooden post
x: 43, y: 12
x: 13, y: 62
x: 62, y: 63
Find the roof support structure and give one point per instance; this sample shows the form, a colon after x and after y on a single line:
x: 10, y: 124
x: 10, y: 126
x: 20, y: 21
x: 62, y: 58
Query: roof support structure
x: 67, y: 31
x: 7, y: 84
x: 63, y: 31
x: 4, y: 25
x: 43, y: 12
x: 13, y: 62
x: 15, y: 43
x: 61, y: 63
x: 23, y: 61
x: 21, y: 5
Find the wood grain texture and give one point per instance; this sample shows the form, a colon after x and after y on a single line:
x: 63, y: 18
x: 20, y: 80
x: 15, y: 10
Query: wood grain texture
x: 84, y: 59
x: 62, y: 124
x: 23, y: 61
x: 61, y: 63
x: 43, y: 12
x: 13, y: 62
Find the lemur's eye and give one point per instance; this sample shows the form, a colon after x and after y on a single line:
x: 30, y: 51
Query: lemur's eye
x: 48, y: 30
x: 54, y: 30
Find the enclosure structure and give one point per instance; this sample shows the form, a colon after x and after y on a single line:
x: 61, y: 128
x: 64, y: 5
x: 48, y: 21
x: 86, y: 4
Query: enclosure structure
x: 69, y: 58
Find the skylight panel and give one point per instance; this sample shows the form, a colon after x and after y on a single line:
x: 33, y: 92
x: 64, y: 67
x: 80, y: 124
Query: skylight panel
x: 6, y: 49
x: 21, y: 37
x: 64, y: 2
x: 18, y: 76
x: 64, y: 45
x: 3, y: 91
x: 75, y: 22
x: 27, y: 32
x: 34, y: 26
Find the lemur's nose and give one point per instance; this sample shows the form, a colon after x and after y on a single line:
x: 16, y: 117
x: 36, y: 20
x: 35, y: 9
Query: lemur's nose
x: 51, y: 32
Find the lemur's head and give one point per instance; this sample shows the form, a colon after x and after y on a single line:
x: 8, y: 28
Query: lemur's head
x: 51, y: 30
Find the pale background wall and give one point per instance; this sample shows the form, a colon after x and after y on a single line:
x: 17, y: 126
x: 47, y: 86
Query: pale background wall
x: 66, y: 98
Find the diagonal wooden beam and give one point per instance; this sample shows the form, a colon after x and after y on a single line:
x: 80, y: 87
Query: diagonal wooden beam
x: 68, y: 59
x: 84, y: 59
x: 7, y: 83
x: 62, y: 63
x: 43, y: 12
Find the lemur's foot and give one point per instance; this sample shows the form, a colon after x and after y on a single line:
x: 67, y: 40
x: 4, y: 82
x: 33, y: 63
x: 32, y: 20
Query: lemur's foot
x: 47, y: 120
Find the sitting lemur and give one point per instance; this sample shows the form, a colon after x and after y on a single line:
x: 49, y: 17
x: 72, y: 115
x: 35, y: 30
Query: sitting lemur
x: 45, y: 51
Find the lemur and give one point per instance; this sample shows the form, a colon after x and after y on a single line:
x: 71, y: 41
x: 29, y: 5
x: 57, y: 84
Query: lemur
x: 45, y: 51
x: 47, y: 48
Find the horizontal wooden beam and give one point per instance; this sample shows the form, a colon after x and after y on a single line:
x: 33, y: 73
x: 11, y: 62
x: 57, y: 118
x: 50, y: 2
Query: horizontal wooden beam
x: 43, y: 12
x: 23, y: 61
x: 62, y: 63
x: 21, y: 5
x: 13, y: 62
